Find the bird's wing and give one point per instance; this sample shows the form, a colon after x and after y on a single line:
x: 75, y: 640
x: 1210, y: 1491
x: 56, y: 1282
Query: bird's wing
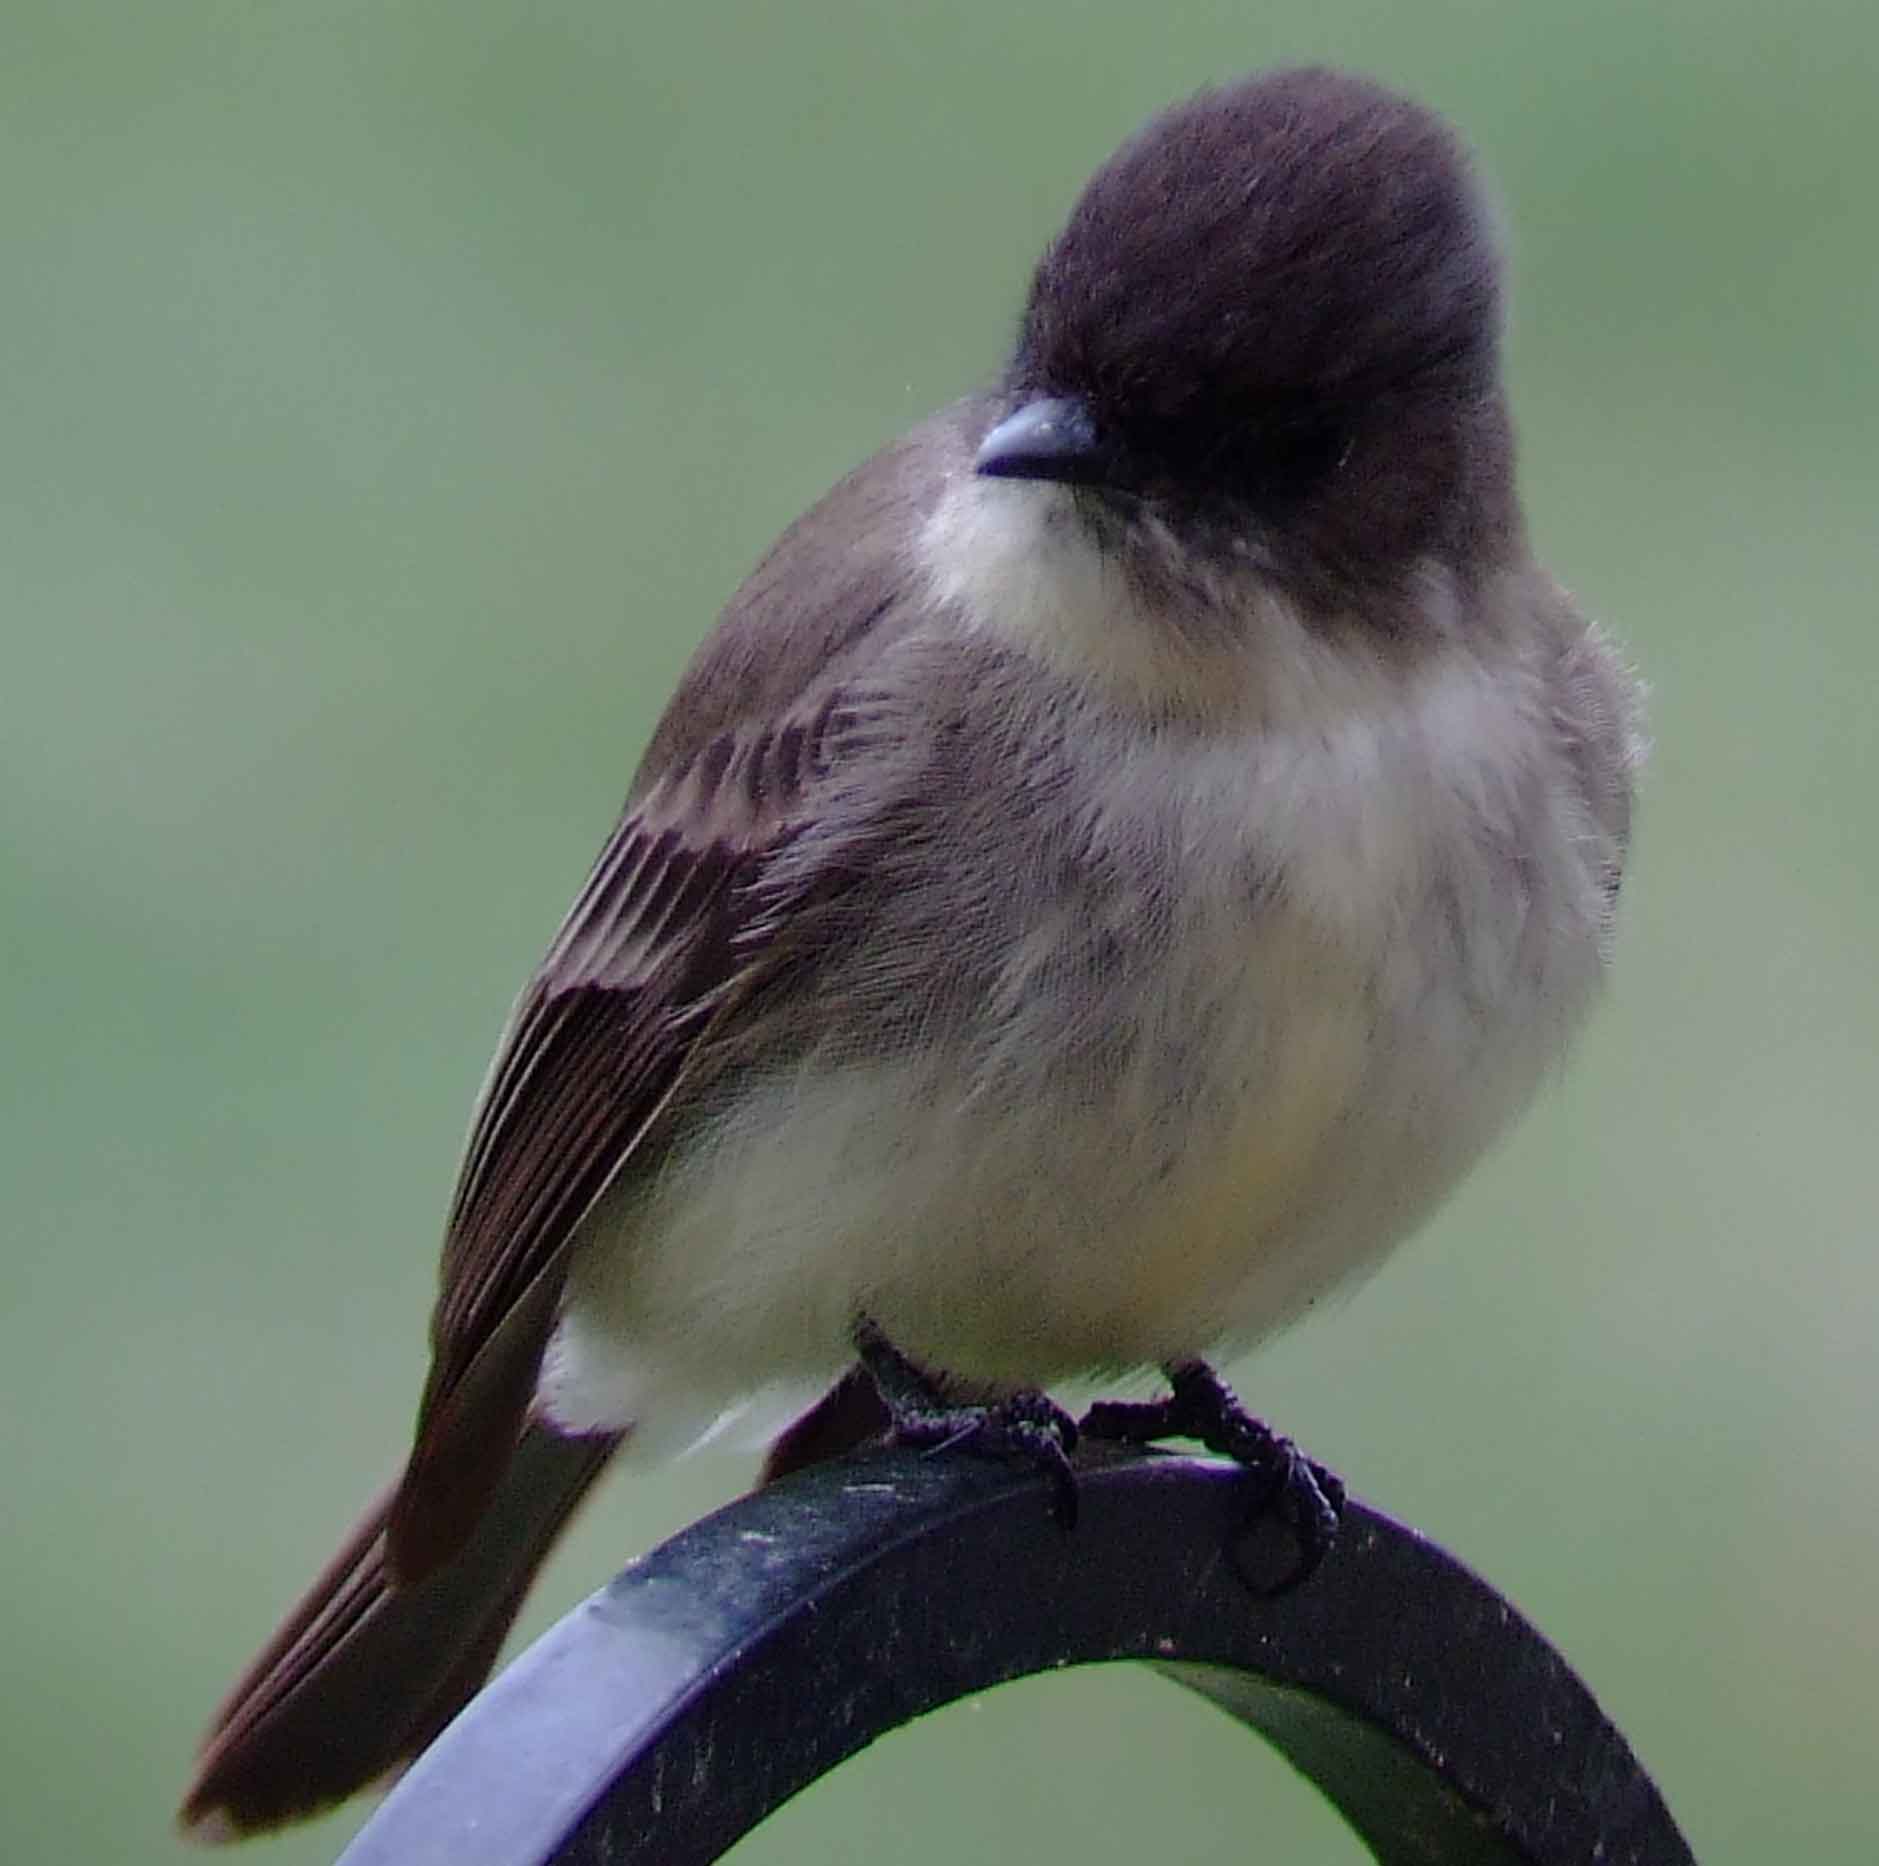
x: 668, y: 937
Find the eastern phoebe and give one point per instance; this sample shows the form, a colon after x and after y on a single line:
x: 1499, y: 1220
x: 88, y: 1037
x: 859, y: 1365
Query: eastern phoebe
x: 1115, y: 863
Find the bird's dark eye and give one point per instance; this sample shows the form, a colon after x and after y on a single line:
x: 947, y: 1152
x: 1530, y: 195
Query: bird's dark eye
x: 1284, y: 458
x: 1272, y: 458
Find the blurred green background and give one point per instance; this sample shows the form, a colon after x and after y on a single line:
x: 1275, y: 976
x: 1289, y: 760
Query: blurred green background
x: 392, y: 394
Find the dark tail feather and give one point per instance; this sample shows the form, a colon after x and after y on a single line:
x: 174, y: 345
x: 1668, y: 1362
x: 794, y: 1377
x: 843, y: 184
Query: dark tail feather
x: 361, y: 1677
x: 848, y: 1415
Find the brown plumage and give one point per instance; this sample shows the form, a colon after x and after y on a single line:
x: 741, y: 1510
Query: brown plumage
x: 1071, y: 923
x: 667, y: 938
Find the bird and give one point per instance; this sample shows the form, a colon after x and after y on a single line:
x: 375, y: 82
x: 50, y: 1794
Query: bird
x: 1114, y: 865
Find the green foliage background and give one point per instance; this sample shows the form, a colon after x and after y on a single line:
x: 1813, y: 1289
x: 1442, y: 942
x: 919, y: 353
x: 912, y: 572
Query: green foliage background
x: 393, y: 391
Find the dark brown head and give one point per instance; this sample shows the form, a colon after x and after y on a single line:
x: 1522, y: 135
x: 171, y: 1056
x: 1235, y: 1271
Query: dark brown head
x: 1272, y: 324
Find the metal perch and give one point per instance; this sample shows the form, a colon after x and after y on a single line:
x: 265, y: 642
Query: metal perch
x: 674, y: 1709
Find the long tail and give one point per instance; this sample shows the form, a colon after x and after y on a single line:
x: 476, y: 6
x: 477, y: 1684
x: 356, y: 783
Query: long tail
x: 360, y: 1678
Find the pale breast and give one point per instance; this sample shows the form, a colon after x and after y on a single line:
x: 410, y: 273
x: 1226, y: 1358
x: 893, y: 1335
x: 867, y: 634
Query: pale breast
x: 1149, y: 1038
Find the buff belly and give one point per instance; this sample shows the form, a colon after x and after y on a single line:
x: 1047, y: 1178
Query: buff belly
x: 1266, y: 1150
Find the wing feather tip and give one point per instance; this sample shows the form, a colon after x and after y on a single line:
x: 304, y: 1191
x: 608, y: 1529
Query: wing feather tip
x: 210, y: 1824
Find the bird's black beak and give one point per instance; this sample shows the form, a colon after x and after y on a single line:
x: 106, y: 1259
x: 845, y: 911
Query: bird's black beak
x: 1050, y: 440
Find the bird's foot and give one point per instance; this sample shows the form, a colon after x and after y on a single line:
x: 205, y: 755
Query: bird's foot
x: 1028, y: 1427
x: 1298, y: 1493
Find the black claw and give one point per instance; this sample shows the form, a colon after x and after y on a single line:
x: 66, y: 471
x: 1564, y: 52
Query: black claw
x: 1026, y: 1426
x: 1291, y: 1491
x: 1308, y: 1501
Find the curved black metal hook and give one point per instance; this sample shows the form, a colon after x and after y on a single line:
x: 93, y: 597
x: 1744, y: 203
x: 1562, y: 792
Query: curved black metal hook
x: 673, y: 1710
